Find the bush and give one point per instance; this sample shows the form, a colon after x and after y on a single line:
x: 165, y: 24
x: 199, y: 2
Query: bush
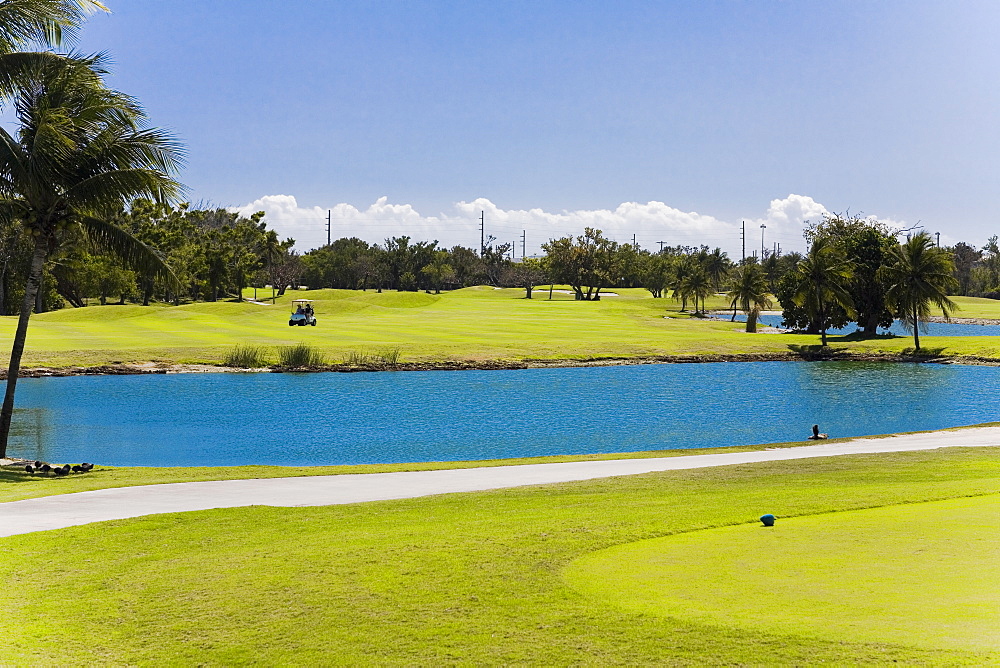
x: 245, y: 357
x: 299, y: 356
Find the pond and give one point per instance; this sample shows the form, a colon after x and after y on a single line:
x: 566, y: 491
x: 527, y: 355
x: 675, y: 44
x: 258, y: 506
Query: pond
x: 336, y: 418
x: 932, y: 328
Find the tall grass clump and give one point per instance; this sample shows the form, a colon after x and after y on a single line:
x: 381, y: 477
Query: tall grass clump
x: 245, y: 357
x: 299, y: 356
x: 389, y: 356
x: 358, y: 358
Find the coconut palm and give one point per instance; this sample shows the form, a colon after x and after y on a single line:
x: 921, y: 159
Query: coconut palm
x: 821, y: 279
x: 80, y: 152
x: 749, y: 292
x: 918, y: 275
x: 697, y: 285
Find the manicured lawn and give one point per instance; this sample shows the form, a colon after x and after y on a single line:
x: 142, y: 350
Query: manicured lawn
x: 471, y: 324
x: 465, y: 578
x: 923, y: 574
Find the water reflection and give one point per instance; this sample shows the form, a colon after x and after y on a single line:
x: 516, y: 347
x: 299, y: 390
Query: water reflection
x: 293, y: 419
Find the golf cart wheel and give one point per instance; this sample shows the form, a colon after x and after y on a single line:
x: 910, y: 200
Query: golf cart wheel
x: 313, y: 323
x: 291, y: 323
x: 302, y: 323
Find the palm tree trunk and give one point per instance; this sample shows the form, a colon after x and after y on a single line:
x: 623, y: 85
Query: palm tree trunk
x: 17, y: 349
x: 916, y: 330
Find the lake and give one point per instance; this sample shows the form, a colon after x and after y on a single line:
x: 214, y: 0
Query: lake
x: 338, y: 418
x: 930, y: 329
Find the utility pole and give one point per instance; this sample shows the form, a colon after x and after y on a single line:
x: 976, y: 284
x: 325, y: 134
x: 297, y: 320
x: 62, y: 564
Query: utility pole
x: 482, y: 233
x: 524, y: 242
x: 329, y: 214
x: 762, y: 227
x: 779, y: 250
x: 661, y: 245
x: 938, y: 235
x: 743, y: 238
x: 634, y: 244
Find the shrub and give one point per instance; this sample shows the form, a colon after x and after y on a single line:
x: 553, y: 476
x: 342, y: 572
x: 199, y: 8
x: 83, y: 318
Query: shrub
x: 299, y: 356
x: 245, y: 357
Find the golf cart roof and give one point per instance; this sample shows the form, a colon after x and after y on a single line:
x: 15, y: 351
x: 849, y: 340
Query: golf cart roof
x: 302, y: 301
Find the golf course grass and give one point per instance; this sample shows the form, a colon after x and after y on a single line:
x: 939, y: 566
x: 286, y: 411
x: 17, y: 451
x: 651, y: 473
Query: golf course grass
x: 924, y: 574
x: 487, y: 577
x: 472, y: 324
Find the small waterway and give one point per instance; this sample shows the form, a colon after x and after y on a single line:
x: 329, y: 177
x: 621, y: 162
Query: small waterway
x: 929, y: 329
x: 328, y: 418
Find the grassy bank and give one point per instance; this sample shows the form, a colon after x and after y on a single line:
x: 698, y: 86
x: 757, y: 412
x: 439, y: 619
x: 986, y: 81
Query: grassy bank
x: 473, y: 324
x: 464, y: 578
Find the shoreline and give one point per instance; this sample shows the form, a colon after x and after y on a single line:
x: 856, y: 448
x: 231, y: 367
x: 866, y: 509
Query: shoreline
x: 161, y: 368
x: 118, y: 503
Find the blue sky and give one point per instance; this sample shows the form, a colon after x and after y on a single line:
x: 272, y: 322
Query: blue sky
x: 694, y: 115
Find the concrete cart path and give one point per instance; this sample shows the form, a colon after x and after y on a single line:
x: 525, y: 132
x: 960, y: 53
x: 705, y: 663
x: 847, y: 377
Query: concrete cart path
x: 66, y: 510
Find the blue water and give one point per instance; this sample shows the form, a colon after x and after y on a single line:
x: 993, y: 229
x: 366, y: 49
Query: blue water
x: 932, y: 328
x: 333, y: 418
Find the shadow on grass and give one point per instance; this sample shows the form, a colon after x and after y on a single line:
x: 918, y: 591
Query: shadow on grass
x: 17, y: 474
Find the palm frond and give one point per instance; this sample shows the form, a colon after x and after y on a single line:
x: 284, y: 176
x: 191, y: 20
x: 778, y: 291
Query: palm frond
x: 42, y: 22
x: 108, y: 190
x: 112, y: 239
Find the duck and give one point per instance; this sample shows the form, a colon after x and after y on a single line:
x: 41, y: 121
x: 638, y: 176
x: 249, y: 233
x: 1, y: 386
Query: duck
x: 29, y: 468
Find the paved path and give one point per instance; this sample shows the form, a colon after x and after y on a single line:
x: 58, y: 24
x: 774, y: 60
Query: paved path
x: 66, y: 510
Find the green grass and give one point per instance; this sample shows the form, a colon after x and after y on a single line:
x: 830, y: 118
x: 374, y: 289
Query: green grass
x: 925, y: 575
x: 473, y: 324
x: 463, y: 578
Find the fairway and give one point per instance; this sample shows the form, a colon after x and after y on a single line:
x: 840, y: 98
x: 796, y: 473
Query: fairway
x: 925, y: 575
x: 472, y: 324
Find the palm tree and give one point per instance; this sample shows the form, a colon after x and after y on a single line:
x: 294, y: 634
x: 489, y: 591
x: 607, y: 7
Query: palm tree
x: 749, y: 291
x: 697, y: 285
x: 919, y: 274
x: 79, y: 154
x: 717, y: 265
x: 822, y: 277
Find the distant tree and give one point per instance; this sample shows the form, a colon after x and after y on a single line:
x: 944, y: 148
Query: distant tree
x: 654, y: 272
x: 749, y: 292
x: 919, y: 276
x: 717, y: 266
x: 697, y: 285
x: 966, y: 257
x: 439, y: 271
x: 821, y: 279
x: 683, y: 266
x: 525, y: 274
x: 587, y: 263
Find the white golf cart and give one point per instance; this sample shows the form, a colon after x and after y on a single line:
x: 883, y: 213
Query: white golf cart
x: 303, y: 314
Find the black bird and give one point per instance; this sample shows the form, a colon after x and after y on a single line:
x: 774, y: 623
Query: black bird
x: 77, y: 468
x: 46, y: 468
x: 86, y: 467
x: 38, y: 465
x: 29, y: 468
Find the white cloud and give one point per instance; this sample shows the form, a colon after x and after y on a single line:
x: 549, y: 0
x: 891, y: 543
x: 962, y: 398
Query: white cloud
x: 651, y: 223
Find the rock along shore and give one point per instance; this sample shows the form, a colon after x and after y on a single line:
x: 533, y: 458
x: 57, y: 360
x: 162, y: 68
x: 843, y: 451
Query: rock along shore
x: 498, y: 365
